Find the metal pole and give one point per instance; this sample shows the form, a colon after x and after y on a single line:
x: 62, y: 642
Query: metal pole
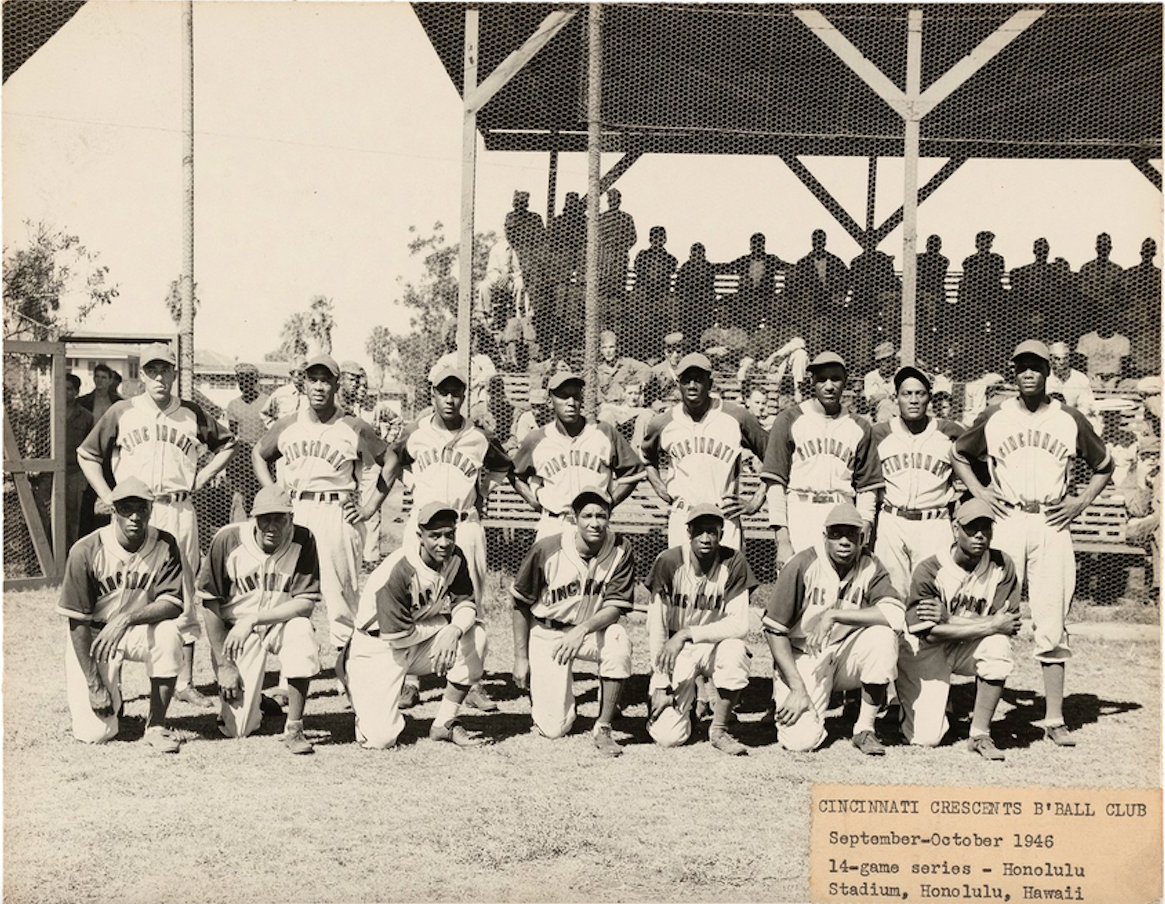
x: 594, y: 178
x: 910, y: 189
x: 468, y: 190
x: 186, y: 323
x: 552, y: 179
x: 871, y: 194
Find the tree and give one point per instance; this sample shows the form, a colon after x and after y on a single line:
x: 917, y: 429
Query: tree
x: 321, y: 322
x: 380, y: 346
x: 292, y: 338
x: 54, y: 264
x: 174, y: 300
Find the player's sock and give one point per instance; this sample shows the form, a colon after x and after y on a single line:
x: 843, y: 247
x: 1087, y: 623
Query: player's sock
x: 722, y: 706
x: 447, y: 711
x: 866, y: 715
x: 979, y: 732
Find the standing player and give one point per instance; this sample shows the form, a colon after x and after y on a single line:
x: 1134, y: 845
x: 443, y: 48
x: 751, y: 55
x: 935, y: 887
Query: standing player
x: 962, y: 611
x: 696, y: 625
x: 288, y: 398
x: 1028, y: 444
x: 122, y: 595
x: 915, y: 452
x: 832, y: 623
x: 321, y: 448
x: 702, y: 438
x: 416, y: 617
x: 569, y: 595
x: 157, y: 438
x: 570, y: 454
x: 258, y: 584
x: 818, y: 456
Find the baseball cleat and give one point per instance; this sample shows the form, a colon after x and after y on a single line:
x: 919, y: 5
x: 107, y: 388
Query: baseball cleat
x: 279, y: 695
x: 985, y: 747
x: 1059, y: 735
x: 478, y: 699
x: 269, y: 706
x: 867, y: 742
x: 605, y: 743
x: 191, y: 696
x: 725, y: 743
x: 295, y: 741
x: 703, y: 710
x: 454, y: 732
x: 410, y: 696
x: 160, y: 739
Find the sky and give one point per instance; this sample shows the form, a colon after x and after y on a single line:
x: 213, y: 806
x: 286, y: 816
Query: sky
x: 324, y: 131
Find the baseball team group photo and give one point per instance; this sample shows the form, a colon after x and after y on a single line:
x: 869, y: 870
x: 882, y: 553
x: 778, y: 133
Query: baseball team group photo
x: 554, y: 568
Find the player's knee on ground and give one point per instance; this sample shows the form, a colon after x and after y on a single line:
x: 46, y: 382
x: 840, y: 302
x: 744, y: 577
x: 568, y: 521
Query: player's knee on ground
x: 379, y: 735
x: 670, y: 728
x: 732, y: 665
x: 615, y: 658
x: 553, y: 728
x: 804, y: 735
x: 993, y: 659
x: 878, y: 648
x: 299, y: 654
x: 927, y: 732
x: 164, y: 650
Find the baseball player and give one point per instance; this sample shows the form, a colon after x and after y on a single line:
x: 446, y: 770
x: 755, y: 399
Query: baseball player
x: 816, y: 457
x: 569, y: 454
x: 122, y: 595
x: 915, y: 454
x: 569, y: 594
x: 354, y: 400
x: 416, y: 617
x: 289, y: 398
x: 321, y: 448
x: 962, y: 611
x: 158, y: 438
x: 1028, y: 444
x: 832, y: 623
x: 696, y: 625
x: 702, y: 438
x: 258, y: 585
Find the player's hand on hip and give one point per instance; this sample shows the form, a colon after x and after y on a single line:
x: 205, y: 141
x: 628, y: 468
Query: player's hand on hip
x: 1065, y: 512
x: 731, y: 507
x: 104, y: 646
x: 237, y: 638
x: 230, y: 682
x: 567, y: 648
x: 444, y: 652
x: 100, y: 700
x: 795, y: 705
x: 521, y: 672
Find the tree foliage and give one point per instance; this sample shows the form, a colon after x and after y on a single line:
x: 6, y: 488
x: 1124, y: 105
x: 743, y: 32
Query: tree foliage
x: 306, y: 333
x: 174, y: 300
x: 380, y: 346
x: 321, y: 322
x: 53, y: 265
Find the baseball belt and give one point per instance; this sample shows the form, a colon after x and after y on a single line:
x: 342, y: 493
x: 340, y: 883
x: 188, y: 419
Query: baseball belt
x: 916, y: 514
x: 177, y: 496
x: 1032, y: 508
x: 818, y: 497
x: 319, y: 496
x: 553, y: 623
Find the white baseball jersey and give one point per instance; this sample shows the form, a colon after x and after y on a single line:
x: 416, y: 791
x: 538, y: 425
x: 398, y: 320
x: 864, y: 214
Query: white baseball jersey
x: 1029, y: 453
x: 284, y: 401
x: 812, y: 452
x: 246, y: 580
x: 987, y: 589
x: 705, y: 456
x: 321, y: 456
x: 556, y: 583
x: 916, y: 468
x: 103, y: 578
x: 567, y: 465
x: 699, y: 601
x: 447, y: 464
x: 404, y: 594
x: 159, y: 446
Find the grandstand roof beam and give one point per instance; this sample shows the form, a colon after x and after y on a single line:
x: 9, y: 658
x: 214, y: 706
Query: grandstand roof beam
x: 895, y: 219
x: 821, y: 193
x: 1147, y: 169
x: 510, y: 66
x: 611, y: 176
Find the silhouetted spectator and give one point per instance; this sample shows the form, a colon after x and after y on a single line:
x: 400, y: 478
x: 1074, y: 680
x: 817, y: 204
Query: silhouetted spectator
x: 1035, y: 296
x: 654, y: 267
x: 933, y: 314
x: 695, y: 295
x: 981, y: 304
x: 524, y: 230
x: 756, y: 294
x: 876, y: 289
x: 558, y: 314
x: 616, y: 238
x: 818, y: 285
x: 1142, y: 317
x: 1101, y: 279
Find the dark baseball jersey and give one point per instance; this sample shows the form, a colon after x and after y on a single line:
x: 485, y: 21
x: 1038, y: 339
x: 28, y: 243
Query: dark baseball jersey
x: 566, y: 465
x: 408, y: 602
x: 705, y: 455
x: 246, y: 580
x: 987, y: 589
x: 809, y: 451
x: 159, y: 446
x: 555, y: 582
x: 321, y: 456
x: 447, y: 465
x: 916, y: 467
x: 103, y: 578
x: 693, y: 600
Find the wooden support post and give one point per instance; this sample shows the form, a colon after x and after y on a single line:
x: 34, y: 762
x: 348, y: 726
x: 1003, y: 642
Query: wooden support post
x: 910, y: 189
x: 57, y: 513
x: 481, y: 94
x: 594, y: 190
x: 468, y: 192
x: 552, y: 179
x: 186, y: 324
x: 871, y: 192
x: 611, y: 176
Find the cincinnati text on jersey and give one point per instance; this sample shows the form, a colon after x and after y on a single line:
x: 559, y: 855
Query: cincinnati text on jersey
x: 161, y: 433
x: 575, y: 458
x: 702, y: 601
x: 918, y: 461
x: 448, y: 455
x: 574, y: 589
x: 314, y: 448
x: 1032, y: 439
x: 824, y: 446
x: 271, y: 581
x: 965, y: 604
x: 133, y: 580
x: 703, y: 445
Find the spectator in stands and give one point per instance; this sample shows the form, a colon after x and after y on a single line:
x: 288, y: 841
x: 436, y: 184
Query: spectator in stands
x: 933, y: 311
x: 695, y: 295
x: 817, y: 286
x: 756, y: 292
x: 614, y: 370
x: 1035, y: 295
x: 498, y: 291
x: 1101, y: 279
x: 525, y: 233
x: 872, y: 312
x: 1106, y: 351
x: 1141, y: 289
x: 558, y: 321
x: 1142, y: 494
x: 616, y: 238
x: 791, y: 358
x: 288, y: 398
x: 878, y: 384
x: 1121, y: 442
x: 1069, y: 382
x: 756, y: 400
x: 497, y: 415
x: 536, y: 415
x: 78, y: 422
x: 663, y: 375
x: 245, y: 419
x: 654, y: 267
x: 981, y: 304
x: 104, y: 394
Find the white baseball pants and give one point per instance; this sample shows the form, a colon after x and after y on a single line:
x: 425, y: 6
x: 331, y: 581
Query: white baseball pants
x: 806, y: 520
x: 179, y: 519
x: 552, y: 703
x: 726, y: 663
x: 339, y: 546
x: 294, y: 642
x: 902, y: 544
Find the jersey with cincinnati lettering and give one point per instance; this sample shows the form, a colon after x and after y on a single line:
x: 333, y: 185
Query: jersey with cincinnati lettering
x: 704, y: 456
x: 987, y: 589
x: 320, y: 456
x: 693, y: 600
x: 566, y: 465
x: 159, y: 446
x: 555, y: 582
x: 916, y: 467
x: 446, y: 464
x: 809, y: 584
x: 408, y: 602
x: 1029, y: 453
x: 103, y: 578
x: 810, y: 451
x: 246, y: 581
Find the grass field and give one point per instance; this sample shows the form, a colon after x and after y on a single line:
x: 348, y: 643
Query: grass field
x: 525, y: 819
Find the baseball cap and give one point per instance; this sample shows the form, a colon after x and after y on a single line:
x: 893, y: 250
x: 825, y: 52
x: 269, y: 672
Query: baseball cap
x: 1032, y: 347
x: 694, y: 360
x: 271, y: 500
x: 905, y: 373
x: 434, y: 511
x: 563, y: 376
x: 971, y: 509
x: 132, y: 487
x: 590, y: 494
x: 157, y: 351
x: 351, y: 367
x: 826, y: 358
x: 844, y: 513
x: 245, y: 367
x: 299, y: 362
x: 325, y: 361
x: 442, y: 372
x: 704, y: 510
x: 673, y: 338
x: 884, y: 350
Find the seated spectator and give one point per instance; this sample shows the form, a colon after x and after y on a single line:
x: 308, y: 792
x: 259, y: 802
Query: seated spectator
x: 663, y: 375
x: 1143, y: 503
x: 977, y: 393
x: 615, y: 370
x: 756, y: 292
x: 756, y: 401
x: 732, y: 339
x: 651, y: 304
x: 1075, y: 386
x: 1106, y: 351
x: 1142, y: 316
x: 695, y: 295
x: 791, y: 358
x: 818, y: 285
x: 536, y: 414
x: 878, y: 384
x: 1121, y: 442
x: 625, y: 411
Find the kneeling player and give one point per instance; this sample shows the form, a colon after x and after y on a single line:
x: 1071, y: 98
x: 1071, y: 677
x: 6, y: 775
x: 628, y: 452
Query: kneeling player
x: 962, y: 611
x: 696, y: 623
x: 832, y: 624
x: 416, y: 617
x: 258, y: 585
x: 568, y: 597
x: 122, y: 594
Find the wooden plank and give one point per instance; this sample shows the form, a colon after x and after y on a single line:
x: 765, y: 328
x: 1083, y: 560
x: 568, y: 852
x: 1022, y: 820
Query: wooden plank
x: 478, y: 97
x: 57, y: 514
x: 25, y: 465
x: 1146, y: 169
x: 28, y: 347
x: 821, y: 193
x: 892, y: 222
x: 40, y: 540
x: 29, y: 583
x: 910, y: 153
x: 468, y: 190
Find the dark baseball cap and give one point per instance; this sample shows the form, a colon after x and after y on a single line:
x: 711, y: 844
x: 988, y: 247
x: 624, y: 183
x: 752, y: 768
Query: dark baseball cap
x: 971, y: 509
x: 351, y: 367
x: 271, y: 500
x: 157, y: 351
x: 844, y: 513
x: 561, y: 377
x: 704, y: 510
x: 696, y: 361
x: 905, y: 373
x: 432, y: 512
x: 825, y: 359
x: 132, y: 488
x: 590, y: 494
x: 325, y: 361
x: 1032, y: 347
